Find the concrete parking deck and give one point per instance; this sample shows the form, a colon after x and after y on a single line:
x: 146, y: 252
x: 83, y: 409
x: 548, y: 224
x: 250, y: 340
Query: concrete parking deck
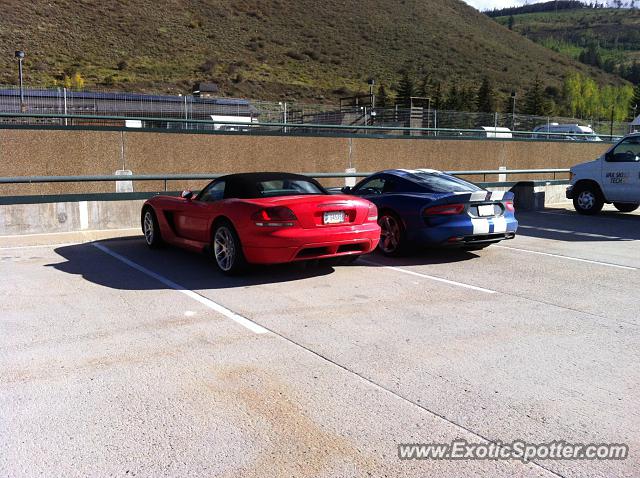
x: 118, y: 360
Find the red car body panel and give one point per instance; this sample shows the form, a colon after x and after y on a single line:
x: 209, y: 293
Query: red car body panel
x: 189, y: 223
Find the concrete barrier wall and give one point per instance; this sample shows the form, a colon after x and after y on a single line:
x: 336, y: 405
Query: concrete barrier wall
x: 20, y: 219
x: 27, y: 152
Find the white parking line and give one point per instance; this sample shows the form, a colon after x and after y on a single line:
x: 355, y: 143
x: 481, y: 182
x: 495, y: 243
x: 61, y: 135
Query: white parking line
x: 569, y: 258
x: 252, y: 326
x: 575, y: 233
x: 426, y: 276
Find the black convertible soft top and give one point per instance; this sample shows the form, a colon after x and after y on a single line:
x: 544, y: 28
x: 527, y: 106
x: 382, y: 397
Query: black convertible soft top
x: 246, y: 185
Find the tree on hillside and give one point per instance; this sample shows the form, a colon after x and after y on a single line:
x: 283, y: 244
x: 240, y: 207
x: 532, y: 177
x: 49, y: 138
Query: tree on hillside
x: 453, y: 101
x: 436, y: 100
x: 382, y: 100
x: 426, y: 87
x: 535, y: 102
x: 485, y: 97
x: 406, y: 89
x: 511, y: 22
x: 468, y: 100
x: 591, y: 55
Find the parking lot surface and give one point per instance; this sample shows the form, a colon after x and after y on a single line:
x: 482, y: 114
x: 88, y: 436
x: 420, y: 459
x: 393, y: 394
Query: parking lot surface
x: 119, y: 360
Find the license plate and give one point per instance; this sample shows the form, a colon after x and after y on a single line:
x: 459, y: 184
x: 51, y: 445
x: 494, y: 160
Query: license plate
x: 334, y: 217
x: 486, y: 210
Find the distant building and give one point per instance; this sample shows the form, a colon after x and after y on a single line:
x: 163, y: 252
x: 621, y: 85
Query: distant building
x: 205, y: 90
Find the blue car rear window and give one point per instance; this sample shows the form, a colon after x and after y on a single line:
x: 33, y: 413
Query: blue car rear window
x: 443, y: 183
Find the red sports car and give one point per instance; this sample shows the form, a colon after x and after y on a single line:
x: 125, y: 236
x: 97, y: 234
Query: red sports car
x: 263, y: 218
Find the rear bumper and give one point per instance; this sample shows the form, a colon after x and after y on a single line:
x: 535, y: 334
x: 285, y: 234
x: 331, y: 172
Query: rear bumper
x: 295, y: 244
x: 480, y: 239
x: 463, y: 233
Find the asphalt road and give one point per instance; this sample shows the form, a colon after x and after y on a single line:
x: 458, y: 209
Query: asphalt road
x: 120, y: 361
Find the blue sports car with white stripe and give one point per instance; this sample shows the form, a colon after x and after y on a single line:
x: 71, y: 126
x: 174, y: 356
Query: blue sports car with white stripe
x: 430, y: 208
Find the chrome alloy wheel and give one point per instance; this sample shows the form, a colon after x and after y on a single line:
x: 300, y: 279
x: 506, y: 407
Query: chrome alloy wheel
x: 148, y: 227
x: 586, y: 200
x: 224, y: 248
x: 389, y: 234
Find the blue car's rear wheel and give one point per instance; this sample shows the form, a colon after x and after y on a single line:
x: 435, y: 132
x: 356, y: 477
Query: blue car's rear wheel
x: 392, y: 234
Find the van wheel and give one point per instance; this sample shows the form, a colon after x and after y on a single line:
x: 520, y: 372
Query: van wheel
x: 625, y: 207
x: 588, y: 200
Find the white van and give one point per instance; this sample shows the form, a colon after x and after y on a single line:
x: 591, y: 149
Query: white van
x: 567, y: 129
x: 612, y: 178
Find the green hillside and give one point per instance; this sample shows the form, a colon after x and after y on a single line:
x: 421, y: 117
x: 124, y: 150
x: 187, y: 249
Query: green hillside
x: 606, y: 38
x: 270, y: 49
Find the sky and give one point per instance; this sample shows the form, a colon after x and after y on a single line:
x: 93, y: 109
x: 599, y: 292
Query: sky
x: 490, y: 4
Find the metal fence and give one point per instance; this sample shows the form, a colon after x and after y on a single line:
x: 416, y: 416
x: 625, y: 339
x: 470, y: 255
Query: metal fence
x: 534, y: 177
x: 59, y: 106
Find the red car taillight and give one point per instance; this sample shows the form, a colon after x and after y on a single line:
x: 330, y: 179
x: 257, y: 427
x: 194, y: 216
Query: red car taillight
x: 444, y: 210
x: 278, y: 216
x: 372, y: 215
x: 509, y: 206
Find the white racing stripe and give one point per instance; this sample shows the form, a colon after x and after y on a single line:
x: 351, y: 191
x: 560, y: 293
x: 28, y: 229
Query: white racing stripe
x: 252, y: 326
x: 570, y: 258
x: 426, y: 276
x: 497, y: 195
x: 480, y: 226
x: 478, y: 196
x: 500, y: 224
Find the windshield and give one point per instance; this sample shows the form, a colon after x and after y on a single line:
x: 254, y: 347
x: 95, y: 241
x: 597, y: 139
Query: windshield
x: 287, y: 187
x: 442, y: 183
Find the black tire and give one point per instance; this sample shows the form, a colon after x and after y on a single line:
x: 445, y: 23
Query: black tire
x: 226, y: 249
x: 393, y: 240
x: 588, y: 199
x: 625, y: 207
x: 150, y: 228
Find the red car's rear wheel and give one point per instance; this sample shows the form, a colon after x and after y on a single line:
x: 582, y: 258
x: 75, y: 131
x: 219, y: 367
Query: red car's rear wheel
x: 150, y: 228
x: 227, y: 249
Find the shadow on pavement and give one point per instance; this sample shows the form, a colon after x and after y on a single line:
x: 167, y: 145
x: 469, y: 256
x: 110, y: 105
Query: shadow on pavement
x: 569, y: 226
x: 190, y: 270
x: 196, y: 271
x: 419, y: 257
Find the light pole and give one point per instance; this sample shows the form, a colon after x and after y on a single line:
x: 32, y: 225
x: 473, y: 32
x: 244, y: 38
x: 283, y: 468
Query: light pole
x: 372, y: 100
x: 20, y: 57
x: 513, y: 110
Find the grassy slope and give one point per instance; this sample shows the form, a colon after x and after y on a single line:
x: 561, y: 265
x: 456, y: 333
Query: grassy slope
x: 617, y: 31
x: 271, y: 49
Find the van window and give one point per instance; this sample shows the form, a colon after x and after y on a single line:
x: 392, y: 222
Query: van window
x: 628, y: 151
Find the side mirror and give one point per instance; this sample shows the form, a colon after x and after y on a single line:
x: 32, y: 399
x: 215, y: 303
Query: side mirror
x: 186, y: 194
x: 346, y: 190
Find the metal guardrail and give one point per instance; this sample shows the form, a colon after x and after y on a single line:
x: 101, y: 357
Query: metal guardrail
x: 289, y: 128
x: 125, y: 196
x: 173, y: 177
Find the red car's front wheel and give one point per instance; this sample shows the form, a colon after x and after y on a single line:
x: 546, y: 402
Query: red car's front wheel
x: 227, y: 249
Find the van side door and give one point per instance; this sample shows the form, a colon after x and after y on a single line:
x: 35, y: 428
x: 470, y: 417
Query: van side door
x: 621, y: 171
